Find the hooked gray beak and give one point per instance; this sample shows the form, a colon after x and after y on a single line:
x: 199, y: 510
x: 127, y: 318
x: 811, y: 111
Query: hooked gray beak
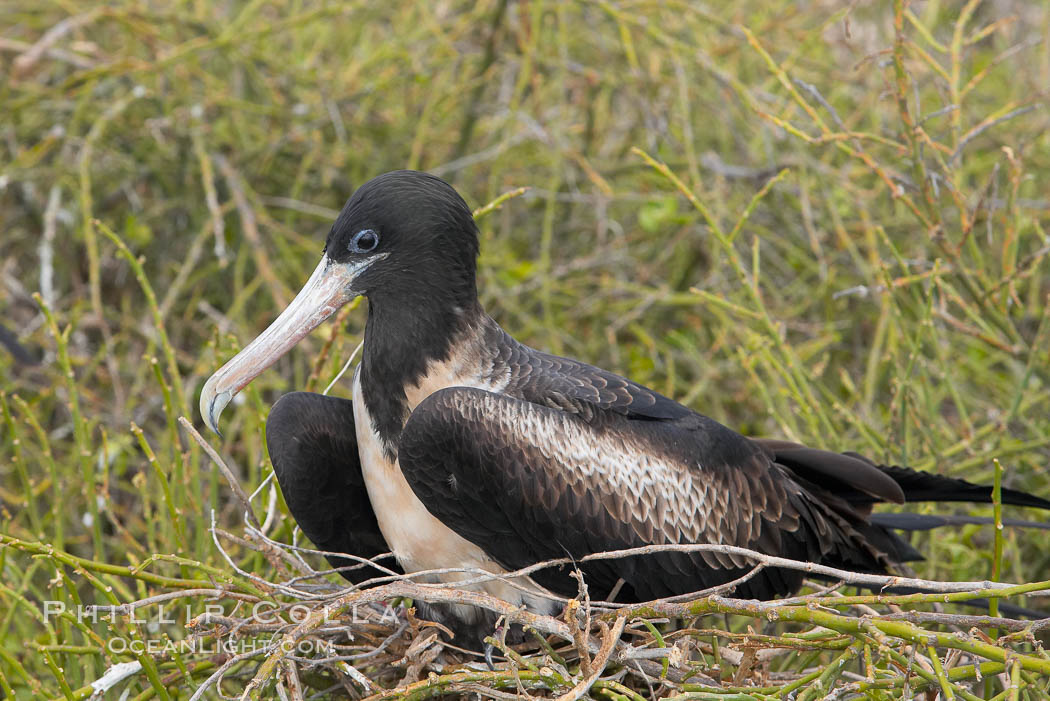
x: 329, y: 288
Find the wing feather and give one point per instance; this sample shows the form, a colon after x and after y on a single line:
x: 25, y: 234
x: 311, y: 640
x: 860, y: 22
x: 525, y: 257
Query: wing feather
x: 570, y: 483
x: 313, y: 448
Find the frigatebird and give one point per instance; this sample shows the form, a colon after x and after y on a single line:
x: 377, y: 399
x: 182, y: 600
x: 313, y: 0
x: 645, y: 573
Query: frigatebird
x: 463, y: 448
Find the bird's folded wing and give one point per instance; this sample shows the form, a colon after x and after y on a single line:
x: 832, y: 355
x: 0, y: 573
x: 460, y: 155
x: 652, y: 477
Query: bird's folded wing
x: 528, y: 483
x: 582, y: 389
x: 313, y: 446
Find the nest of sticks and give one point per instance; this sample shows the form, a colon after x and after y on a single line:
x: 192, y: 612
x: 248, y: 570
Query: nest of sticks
x: 299, y: 632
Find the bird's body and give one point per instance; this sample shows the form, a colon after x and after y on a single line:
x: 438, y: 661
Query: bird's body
x: 418, y: 540
x: 463, y: 449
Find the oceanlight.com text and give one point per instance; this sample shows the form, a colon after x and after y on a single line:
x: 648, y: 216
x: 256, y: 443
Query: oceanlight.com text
x: 239, y: 646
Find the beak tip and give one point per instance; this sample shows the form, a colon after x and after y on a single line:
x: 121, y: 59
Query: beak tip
x: 212, y: 403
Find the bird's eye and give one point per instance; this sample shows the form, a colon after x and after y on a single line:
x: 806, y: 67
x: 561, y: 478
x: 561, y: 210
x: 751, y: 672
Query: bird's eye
x: 364, y: 241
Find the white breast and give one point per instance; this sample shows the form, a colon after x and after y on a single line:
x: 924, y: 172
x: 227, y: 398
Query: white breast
x: 418, y: 540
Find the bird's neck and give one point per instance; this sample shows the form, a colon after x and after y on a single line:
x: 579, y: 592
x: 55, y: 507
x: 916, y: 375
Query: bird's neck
x: 402, y: 342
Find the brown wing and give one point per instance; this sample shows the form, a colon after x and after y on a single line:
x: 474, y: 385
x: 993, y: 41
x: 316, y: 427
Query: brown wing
x: 528, y: 483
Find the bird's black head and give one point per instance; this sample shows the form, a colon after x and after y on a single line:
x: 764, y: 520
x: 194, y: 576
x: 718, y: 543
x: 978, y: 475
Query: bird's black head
x: 413, y: 234
x: 408, y: 242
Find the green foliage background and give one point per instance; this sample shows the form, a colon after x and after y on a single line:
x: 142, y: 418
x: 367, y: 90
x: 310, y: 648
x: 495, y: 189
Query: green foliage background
x: 860, y: 262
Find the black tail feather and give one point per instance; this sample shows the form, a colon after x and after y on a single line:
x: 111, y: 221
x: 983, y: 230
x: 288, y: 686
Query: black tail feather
x: 905, y: 521
x: 927, y: 486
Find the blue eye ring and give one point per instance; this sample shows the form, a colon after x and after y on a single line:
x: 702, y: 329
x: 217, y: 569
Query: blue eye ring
x: 364, y: 241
